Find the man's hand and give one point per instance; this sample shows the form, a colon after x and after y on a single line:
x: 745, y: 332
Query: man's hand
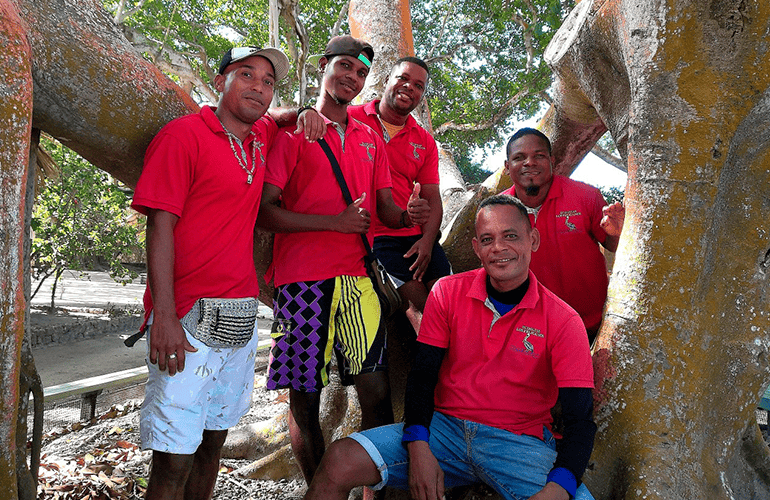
x: 354, y: 219
x: 613, y: 217
x: 551, y: 491
x: 310, y: 122
x: 424, y: 250
x: 426, y: 479
x: 168, y: 343
x: 417, y: 208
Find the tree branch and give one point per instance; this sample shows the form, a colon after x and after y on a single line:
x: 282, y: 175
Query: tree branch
x: 121, y: 14
x: 174, y: 63
x: 487, y: 124
x: 613, y: 160
x: 340, y: 19
x: 449, y: 11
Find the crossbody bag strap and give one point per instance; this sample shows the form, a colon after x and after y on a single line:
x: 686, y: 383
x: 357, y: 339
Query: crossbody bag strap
x: 344, y: 186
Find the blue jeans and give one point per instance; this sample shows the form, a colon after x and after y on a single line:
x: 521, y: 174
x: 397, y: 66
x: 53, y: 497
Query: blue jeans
x: 515, y: 466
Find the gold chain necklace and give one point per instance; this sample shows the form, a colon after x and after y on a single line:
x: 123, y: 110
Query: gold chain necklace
x: 243, y: 159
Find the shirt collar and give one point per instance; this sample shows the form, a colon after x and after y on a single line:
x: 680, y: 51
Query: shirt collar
x: 208, y: 113
x: 478, y: 289
x: 352, y: 122
x: 370, y: 109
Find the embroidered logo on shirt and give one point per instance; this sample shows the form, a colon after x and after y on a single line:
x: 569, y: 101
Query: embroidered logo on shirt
x: 566, y: 215
x: 528, y: 348
x: 368, y: 145
x: 259, y: 145
x: 416, y: 147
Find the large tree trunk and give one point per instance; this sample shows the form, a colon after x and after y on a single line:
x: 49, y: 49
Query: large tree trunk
x: 682, y: 357
x: 92, y: 90
x: 387, y: 25
x: 68, y: 70
x: 16, y: 112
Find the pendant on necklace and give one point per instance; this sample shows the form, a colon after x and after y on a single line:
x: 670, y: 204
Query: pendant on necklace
x: 249, y: 178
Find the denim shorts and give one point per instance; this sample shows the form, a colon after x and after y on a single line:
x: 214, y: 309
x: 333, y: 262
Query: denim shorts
x: 515, y: 466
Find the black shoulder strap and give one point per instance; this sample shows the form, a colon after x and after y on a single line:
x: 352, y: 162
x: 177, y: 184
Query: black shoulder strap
x: 344, y: 186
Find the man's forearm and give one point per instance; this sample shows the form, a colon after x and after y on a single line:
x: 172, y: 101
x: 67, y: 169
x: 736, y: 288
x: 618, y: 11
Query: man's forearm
x: 160, y: 260
x: 279, y: 220
x: 433, y: 196
x: 611, y: 243
x: 421, y: 384
x: 575, y: 447
x: 388, y: 212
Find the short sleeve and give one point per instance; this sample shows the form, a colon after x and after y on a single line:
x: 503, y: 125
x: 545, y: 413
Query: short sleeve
x: 571, y: 355
x: 382, y: 178
x: 597, y: 203
x: 428, y: 173
x: 282, y: 158
x: 169, y: 169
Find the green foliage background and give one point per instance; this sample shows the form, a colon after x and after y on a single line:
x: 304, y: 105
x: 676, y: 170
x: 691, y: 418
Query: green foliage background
x: 81, y: 221
x: 481, y: 54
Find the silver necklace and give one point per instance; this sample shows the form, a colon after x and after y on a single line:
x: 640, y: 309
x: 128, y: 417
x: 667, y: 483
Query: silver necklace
x: 243, y: 157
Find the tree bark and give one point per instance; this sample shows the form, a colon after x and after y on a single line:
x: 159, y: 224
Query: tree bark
x: 68, y: 70
x: 682, y: 357
x: 29, y: 379
x: 93, y: 91
x: 16, y: 112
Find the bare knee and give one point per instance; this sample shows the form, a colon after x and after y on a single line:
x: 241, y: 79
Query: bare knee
x: 212, y: 443
x: 345, y: 465
x: 168, y: 475
x: 415, y: 292
x: 373, y: 391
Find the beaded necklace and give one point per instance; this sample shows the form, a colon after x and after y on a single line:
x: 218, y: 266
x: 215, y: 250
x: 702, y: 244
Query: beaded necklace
x: 243, y: 158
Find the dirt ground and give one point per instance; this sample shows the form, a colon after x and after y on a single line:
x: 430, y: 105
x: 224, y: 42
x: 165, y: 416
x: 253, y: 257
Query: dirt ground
x: 103, y: 459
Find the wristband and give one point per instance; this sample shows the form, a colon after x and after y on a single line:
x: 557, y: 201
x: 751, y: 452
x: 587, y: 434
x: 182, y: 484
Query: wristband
x: 564, y: 478
x: 304, y: 108
x: 415, y: 432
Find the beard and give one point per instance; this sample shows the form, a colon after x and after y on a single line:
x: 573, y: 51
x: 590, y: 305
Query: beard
x: 341, y: 102
x: 532, y: 190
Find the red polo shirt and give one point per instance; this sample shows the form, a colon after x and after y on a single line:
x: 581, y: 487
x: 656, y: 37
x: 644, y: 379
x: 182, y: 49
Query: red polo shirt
x: 303, y: 173
x: 413, y: 158
x: 504, y: 371
x: 190, y: 171
x: 569, y: 261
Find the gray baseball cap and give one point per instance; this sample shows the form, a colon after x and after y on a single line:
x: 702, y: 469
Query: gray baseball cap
x: 278, y: 59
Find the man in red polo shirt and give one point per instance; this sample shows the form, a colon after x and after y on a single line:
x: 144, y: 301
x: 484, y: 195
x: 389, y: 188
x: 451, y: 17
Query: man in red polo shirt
x: 573, y: 221
x: 324, y: 300
x: 200, y: 189
x: 495, y: 352
x: 411, y: 255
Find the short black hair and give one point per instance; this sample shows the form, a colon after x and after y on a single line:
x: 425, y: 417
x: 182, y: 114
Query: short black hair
x: 521, y: 133
x: 414, y: 60
x: 508, y: 200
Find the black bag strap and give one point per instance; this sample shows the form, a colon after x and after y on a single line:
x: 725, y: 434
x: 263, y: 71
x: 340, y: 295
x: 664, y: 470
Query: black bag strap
x: 344, y: 186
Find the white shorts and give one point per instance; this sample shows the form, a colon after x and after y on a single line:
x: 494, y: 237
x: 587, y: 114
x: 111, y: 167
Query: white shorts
x: 212, y: 393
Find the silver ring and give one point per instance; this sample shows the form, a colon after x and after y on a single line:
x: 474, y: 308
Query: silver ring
x: 172, y: 355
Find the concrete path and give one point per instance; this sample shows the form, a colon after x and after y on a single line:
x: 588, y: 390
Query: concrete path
x: 85, y: 296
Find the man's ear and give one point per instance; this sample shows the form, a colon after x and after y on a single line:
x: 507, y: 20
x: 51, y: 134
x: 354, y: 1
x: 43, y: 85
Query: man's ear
x: 475, y: 244
x: 322, y: 64
x: 219, y: 83
x: 535, y: 239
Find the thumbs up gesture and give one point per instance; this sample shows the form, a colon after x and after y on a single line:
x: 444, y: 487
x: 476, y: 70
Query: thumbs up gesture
x: 355, y: 218
x: 417, y: 208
